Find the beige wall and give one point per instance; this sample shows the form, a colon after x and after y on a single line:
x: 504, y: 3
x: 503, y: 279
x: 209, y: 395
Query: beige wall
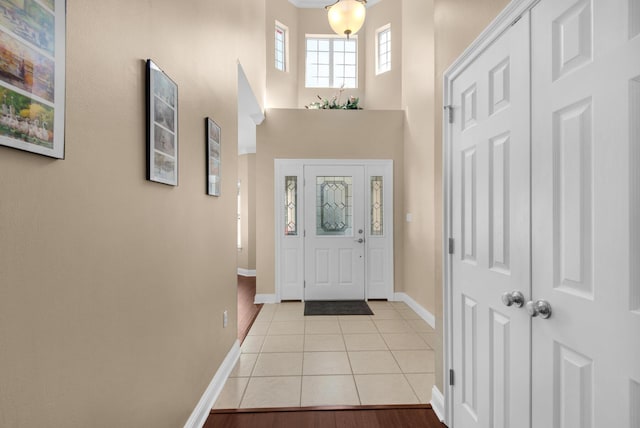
x: 282, y: 87
x: 384, y: 91
x: 321, y: 134
x: 112, y: 287
x: 457, y: 24
x: 247, y: 177
x: 314, y: 21
x: 419, y: 179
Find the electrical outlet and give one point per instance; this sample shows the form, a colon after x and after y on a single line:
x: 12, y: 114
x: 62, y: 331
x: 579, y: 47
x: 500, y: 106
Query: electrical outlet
x: 225, y: 319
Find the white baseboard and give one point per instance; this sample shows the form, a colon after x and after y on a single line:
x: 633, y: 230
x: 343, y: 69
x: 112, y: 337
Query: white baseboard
x: 265, y: 298
x: 437, y: 403
x: 246, y: 272
x: 201, y: 412
x: 424, y: 314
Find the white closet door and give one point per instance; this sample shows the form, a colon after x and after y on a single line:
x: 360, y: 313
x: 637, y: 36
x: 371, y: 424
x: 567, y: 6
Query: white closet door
x: 586, y: 213
x: 490, y: 226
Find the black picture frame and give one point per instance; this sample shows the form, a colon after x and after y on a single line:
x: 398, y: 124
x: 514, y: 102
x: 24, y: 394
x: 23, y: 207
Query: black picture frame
x: 213, y: 147
x: 162, y: 126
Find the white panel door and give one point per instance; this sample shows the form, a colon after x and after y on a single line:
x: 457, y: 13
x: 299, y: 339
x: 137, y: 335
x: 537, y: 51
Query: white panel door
x: 334, y: 233
x: 490, y: 227
x: 586, y: 210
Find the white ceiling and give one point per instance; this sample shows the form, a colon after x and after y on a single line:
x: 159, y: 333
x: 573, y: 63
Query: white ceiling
x: 310, y: 4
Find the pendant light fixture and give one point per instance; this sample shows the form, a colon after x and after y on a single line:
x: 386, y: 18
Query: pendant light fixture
x: 347, y: 16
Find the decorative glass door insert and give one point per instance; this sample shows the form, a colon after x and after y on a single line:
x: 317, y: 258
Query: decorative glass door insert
x: 291, y: 205
x: 377, y: 206
x: 334, y: 207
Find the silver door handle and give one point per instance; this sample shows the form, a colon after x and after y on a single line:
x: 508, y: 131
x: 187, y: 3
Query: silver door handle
x: 540, y: 308
x: 359, y: 241
x: 513, y: 298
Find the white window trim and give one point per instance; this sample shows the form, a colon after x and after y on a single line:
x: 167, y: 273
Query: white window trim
x: 377, y: 49
x: 330, y: 36
x: 285, y: 29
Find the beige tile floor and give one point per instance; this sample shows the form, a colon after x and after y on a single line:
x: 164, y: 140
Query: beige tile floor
x: 289, y: 360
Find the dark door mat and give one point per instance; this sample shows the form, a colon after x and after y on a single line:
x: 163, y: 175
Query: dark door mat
x: 337, y: 307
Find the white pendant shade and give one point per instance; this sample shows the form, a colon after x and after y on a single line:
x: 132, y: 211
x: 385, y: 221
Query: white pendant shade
x: 347, y: 16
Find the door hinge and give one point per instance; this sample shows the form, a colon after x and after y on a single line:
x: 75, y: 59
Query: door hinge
x: 451, y: 245
x: 304, y: 233
x: 304, y: 284
x: 449, y: 111
x: 451, y: 377
x: 516, y: 20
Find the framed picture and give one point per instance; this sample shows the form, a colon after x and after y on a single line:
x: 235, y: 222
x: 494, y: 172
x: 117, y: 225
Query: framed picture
x: 212, y: 143
x: 32, y: 75
x: 162, y: 126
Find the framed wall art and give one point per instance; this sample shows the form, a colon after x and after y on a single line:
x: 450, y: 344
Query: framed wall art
x: 162, y: 126
x: 32, y: 75
x: 212, y: 143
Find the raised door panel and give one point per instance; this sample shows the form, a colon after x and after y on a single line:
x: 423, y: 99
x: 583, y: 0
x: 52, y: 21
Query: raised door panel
x: 500, y: 362
x: 573, y: 389
x: 634, y: 404
x: 499, y: 204
x: 572, y: 217
x: 346, y: 263
x: 470, y: 357
x: 468, y: 206
x: 634, y: 193
x: 572, y: 39
x: 499, y: 87
x: 634, y: 18
x: 322, y: 266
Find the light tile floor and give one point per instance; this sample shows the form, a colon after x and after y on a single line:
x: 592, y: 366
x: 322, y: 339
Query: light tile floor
x: 289, y: 360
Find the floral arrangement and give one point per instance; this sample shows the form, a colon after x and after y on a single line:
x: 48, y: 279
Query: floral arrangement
x: 334, y: 103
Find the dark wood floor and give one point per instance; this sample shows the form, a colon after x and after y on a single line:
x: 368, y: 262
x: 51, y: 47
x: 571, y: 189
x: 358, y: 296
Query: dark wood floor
x: 247, y: 310
x: 411, y: 416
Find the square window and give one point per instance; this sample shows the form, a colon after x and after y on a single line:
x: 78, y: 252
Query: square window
x: 329, y: 60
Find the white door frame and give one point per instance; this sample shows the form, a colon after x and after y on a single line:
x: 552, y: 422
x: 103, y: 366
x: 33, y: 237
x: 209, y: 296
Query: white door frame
x: 289, y: 250
x: 499, y: 25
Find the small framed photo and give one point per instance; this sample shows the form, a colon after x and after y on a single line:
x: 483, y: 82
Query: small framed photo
x: 162, y: 126
x: 212, y: 143
x: 32, y: 76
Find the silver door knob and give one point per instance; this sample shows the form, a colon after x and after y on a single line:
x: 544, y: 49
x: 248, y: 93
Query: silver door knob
x: 540, y: 308
x: 513, y: 298
x: 360, y: 241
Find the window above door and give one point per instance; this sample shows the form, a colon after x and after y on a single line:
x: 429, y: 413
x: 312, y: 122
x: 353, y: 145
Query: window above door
x: 331, y: 62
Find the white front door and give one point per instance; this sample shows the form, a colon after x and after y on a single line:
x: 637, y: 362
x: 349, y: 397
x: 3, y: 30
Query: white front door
x: 586, y: 213
x: 334, y: 232
x: 490, y: 227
